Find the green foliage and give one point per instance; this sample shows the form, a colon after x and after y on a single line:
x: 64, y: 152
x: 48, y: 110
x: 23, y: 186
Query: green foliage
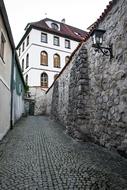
x: 26, y: 88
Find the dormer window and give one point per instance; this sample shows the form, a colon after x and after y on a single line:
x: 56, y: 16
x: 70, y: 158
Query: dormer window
x: 54, y: 26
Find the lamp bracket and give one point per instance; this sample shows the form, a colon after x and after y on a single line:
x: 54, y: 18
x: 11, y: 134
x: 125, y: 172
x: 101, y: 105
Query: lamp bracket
x: 107, y: 51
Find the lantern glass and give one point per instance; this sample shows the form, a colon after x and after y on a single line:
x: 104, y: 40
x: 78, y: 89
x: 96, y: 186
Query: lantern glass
x: 98, y: 40
x: 97, y: 36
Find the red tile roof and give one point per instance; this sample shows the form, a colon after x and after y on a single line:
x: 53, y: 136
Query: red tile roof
x: 65, y: 30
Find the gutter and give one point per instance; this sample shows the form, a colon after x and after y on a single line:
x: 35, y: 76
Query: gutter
x: 11, y: 87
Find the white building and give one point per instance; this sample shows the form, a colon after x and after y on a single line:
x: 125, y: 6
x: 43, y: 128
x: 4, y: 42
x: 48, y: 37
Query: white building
x: 45, y: 49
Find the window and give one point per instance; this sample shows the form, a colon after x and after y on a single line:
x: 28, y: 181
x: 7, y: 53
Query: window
x: 56, y: 41
x: 44, y: 58
x: 55, y: 76
x: 66, y: 59
x: 67, y: 44
x: 54, y: 26
x: 44, y: 80
x: 27, y: 41
x: 19, y: 51
x: 23, y: 65
x: 27, y: 60
x: 23, y: 46
x: 2, y: 46
x: 56, y: 60
x: 44, y: 37
x: 27, y: 79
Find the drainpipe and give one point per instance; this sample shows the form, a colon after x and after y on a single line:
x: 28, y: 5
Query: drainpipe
x: 12, y: 84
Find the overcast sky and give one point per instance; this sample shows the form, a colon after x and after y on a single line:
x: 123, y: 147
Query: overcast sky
x: 78, y: 13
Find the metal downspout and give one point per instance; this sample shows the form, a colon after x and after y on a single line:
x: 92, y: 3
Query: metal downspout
x: 12, y: 84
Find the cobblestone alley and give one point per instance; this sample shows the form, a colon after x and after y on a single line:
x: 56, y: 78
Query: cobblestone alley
x: 38, y: 155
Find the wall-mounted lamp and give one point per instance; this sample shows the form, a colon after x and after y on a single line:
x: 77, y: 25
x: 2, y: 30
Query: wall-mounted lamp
x: 97, y: 36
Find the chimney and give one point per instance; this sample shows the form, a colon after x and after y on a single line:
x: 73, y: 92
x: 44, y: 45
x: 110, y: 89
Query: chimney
x: 63, y: 21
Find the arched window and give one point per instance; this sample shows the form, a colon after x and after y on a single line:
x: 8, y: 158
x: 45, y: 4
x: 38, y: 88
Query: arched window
x: 44, y: 58
x: 55, y: 76
x: 27, y: 79
x: 44, y: 80
x: 66, y: 59
x: 27, y: 60
x: 56, y: 60
x: 23, y: 65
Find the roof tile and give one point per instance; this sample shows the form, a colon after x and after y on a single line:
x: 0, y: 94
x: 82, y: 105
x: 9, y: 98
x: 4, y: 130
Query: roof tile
x: 65, y: 30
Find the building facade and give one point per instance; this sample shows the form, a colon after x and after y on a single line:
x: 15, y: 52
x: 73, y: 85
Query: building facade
x: 5, y: 79
x: 7, y: 64
x: 18, y: 92
x: 44, y: 50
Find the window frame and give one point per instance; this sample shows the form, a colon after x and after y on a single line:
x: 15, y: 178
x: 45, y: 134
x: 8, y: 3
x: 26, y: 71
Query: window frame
x: 44, y: 80
x: 67, y: 44
x: 2, y: 46
x: 67, y: 59
x: 56, y: 62
x: 26, y: 79
x: 23, y: 65
x: 45, y: 63
x: 54, y: 41
x: 23, y: 46
x: 46, y: 37
x: 27, y: 60
x: 54, y: 26
x: 27, y: 40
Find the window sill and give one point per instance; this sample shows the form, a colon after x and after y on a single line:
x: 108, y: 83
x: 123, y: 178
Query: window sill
x: 44, y: 86
x: 43, y: 65
x: 56, y: 45
x: 44, y: 42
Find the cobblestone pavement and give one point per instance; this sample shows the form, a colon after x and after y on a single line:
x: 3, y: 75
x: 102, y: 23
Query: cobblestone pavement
x: 38, y: 155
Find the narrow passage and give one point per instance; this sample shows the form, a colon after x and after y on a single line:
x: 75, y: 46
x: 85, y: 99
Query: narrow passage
x: 38, y: 155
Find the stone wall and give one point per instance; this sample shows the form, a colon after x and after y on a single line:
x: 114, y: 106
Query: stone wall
x: 90, y: 96
x: 37, y: 96
x: 57, y: 96
x: 108, y: 82
x: 49, y: 101
x: 78, y: 101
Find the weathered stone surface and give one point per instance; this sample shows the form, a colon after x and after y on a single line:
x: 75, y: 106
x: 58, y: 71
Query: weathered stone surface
x: 95, y: 86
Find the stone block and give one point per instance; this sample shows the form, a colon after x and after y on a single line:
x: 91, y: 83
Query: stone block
x: 124, y: 117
